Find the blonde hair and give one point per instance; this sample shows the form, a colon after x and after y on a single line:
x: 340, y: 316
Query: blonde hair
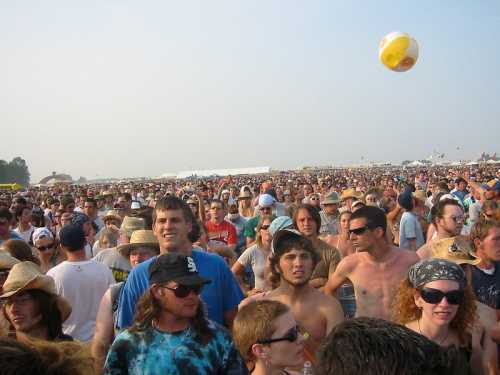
x: 255, y: 322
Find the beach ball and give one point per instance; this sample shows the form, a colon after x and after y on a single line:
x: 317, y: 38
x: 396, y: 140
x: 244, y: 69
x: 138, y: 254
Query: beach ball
x: 398, y: 51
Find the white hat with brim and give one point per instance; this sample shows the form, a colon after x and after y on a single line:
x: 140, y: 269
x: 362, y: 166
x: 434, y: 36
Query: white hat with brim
x: 139, y: 238
x: 28, y: 276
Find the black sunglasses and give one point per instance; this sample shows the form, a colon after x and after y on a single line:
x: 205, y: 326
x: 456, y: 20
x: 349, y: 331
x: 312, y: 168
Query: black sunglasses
x: 359, y: 231
x: 265, y: 226
x: 182, y: 291
x: 290, y: 336
x: 47, y: 247
x: 434, y: 296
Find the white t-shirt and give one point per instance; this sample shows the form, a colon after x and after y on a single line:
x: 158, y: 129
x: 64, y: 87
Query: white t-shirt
x: 83, y: 284
x: 256, y: 258
x: 26, y: 235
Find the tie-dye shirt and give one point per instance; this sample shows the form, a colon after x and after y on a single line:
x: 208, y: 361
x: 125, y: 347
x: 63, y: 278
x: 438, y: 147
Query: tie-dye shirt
x: 155, y: 352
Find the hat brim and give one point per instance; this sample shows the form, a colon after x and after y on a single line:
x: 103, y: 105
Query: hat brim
x: 127, y: 248
x: 331, y: 202
x: 192, y: 280
x: 38, y: 284
x: 116, y: 217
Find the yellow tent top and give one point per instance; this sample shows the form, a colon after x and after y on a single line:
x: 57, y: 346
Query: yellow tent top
x: 14, y: 186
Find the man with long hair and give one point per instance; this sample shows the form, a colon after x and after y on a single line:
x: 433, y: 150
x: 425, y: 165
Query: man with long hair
x: 170, y: 332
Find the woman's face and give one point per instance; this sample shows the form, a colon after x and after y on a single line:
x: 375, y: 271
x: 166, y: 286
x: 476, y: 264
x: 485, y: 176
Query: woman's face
x: 264, y: 232
x: 23, y: 312
x: 344, y: 221
x: 45, y: 247
x: 442, y: 312
x: 285, y: 353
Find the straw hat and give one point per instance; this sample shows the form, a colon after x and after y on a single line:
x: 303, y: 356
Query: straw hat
x: 112, y: 214
x: 456, y: 249
x: 130, y: 224
x: 420, y: 194
x: 139, y: 238
x: 27, y: 276
x: 244, y: 194
x: 7, y: 261
x: 351, y: 193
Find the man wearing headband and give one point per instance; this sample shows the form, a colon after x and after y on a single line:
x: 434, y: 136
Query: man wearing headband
x: 376, y: 269
x: 448, y: 218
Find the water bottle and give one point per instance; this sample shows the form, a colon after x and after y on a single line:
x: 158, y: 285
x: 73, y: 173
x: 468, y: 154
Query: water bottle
x: 307, y: 369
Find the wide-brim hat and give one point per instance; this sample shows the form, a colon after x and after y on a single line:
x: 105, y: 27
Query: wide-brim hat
x: 112, y: 214
x: 351, y: 193
x: 7, y: 261
x: 28, y: 276
x: 455, y: 249
x: 130, y: 224
x: 244, y: 194
x: 332, y: 198
x: 139, y: 238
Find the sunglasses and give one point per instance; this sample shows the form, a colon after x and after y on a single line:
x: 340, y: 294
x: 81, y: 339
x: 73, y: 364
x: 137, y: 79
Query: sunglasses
x: 358, y: 231
x: 46, y: 247
x: 265, y: 226
x: 457, y: 219
x: 265, y: 209
x: 216, y: 208
x: 434, y: 296
x: 290, y: 336
x: 182, y: 291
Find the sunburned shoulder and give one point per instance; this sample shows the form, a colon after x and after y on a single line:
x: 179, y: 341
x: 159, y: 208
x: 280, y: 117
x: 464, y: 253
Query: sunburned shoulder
x: 406, y: 255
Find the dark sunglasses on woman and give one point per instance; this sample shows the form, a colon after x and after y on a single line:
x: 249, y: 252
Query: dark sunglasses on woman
x: 434, y: 296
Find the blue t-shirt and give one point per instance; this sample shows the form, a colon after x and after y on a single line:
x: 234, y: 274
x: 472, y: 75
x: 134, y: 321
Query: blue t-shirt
x: 155, y: 352
x: 410, y: 228
x: 13, y: 236
x: 221, y: 295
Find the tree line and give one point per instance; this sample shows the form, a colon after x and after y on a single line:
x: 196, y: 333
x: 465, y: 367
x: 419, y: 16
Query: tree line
x: 14, y: 171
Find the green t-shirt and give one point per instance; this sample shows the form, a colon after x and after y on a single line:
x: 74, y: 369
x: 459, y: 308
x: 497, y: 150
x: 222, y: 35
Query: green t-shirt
x: 251, y: 226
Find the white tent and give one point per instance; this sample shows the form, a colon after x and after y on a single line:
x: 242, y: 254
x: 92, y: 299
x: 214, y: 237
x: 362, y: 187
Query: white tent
x: 455, y: 163
x: 491, y: 161
x: 472, y: 163
x: 415, y: 163
x: 223, y: 172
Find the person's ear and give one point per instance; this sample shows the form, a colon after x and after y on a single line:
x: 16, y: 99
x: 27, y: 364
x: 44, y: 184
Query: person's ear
x: 477, y: 243
x: 419, y: 302
x: 260, y: 351
x: 156, y: 291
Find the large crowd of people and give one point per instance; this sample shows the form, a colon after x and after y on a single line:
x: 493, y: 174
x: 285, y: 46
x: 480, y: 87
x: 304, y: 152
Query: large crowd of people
x: 339, y: 271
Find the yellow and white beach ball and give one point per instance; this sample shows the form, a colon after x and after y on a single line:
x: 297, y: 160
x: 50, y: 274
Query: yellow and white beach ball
x: 398, y: 51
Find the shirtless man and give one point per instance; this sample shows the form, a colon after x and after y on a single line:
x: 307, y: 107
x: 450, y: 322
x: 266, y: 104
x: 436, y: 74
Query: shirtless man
x: 292, y: 262
x: 448, y: 219
x: 376, y: 269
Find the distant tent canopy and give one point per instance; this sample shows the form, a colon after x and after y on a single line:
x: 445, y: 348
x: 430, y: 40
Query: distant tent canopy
x: 218, y: 172
x: 14, y: 186
x: 56, y: 179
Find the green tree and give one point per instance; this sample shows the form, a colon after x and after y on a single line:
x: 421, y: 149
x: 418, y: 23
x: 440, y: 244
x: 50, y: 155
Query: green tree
x: 14, y: 171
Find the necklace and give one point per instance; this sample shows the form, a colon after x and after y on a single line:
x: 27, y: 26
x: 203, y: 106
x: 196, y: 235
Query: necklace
x: 440, y: 342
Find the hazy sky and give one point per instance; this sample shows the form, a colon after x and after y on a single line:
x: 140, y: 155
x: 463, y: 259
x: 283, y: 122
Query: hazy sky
x: 140, y: 88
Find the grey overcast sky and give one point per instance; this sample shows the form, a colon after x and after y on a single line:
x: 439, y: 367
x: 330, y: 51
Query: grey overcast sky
x: 139, y: 88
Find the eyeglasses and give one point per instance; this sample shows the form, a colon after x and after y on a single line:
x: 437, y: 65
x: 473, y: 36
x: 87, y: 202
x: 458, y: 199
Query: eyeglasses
x: 265, y: 226
x: 434, y: 296
x: 265, y: 208
x: 182, y: 291
x: 358, y: 231
x: 290, y: 336
x: 46, y: 247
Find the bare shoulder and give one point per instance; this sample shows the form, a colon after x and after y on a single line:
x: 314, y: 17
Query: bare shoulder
x: 256, y: 297
x: 424, y: 251
x: 406, y: 256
